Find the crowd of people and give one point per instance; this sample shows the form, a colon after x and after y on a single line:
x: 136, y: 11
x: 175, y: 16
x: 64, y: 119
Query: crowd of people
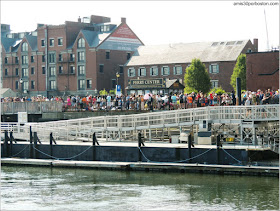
x: 155, y: 102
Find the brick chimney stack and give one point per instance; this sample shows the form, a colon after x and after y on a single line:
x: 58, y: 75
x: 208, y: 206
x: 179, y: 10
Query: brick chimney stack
x: 256, y: 44
x: 123, y: 20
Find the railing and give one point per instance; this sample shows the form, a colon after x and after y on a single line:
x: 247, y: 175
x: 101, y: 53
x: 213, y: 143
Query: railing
x: 31, y: 107
x: 66, y: 129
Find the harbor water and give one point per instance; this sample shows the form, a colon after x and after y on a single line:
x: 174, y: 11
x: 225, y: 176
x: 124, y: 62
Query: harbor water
x: 39, y: 188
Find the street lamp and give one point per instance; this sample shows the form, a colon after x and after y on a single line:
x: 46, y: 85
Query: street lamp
x: 21, y: 86
x: 118, y: 75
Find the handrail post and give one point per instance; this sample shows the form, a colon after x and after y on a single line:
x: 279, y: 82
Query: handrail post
x: 30, y: 143
x: 35, y: 154
x: 6, y: 150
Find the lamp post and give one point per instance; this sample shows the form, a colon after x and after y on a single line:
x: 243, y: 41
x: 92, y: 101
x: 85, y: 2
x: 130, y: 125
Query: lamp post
x: 21, y: 87
x: 118, y: 75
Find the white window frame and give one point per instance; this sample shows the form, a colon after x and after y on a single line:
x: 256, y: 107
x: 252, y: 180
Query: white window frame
x: 52, y: 84
x: 81, y: 56
x: 52, y: 58
x: 176, y: 72
x: 131, y: 72
x: 24, y: 47
x: 24, y: 72
x: 25, y: 85
x: 72, y: 69
x: 81, y: 70
x: 155, y: 69
x: 60, y: 69
x: 51, y: 42
x: 43, y: 43
x: 163, y: 68
x: 60, y: 38
x: 82, y: 85
x: 81, y: 43
x: 214, y: 83
x: 52, y: 71
x: 33, y: 84
x: 89, y: 82
x: 24, y: 59
x: 142, y: 72
x: 211, y: 68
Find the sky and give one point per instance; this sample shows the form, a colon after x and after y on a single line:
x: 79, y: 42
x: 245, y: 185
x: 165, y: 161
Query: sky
x: 158, y: 22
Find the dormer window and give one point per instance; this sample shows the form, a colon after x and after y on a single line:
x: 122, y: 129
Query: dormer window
x: 105, y: 28
x: 81, y: 43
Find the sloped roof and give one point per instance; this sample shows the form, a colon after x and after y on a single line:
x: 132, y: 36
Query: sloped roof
x: 94, y: 38
x: 185, y: 52
x: 32, y: 40
x: 7, y: 43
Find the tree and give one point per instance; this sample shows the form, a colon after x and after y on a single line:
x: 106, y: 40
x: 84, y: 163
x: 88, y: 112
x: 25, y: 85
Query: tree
x: 103, y: 92
x: 197, y: 78
x: 239, y: 71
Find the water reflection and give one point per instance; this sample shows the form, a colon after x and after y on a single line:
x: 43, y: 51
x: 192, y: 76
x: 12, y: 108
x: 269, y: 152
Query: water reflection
x: 37, y: 188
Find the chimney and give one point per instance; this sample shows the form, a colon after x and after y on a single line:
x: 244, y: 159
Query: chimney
x: 256, y: 44
x: 79, y: 20
x: 123, y: 20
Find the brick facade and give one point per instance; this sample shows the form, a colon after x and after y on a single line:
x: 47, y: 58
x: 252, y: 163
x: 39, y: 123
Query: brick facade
x: 262, y: 70
x: 58, y: 75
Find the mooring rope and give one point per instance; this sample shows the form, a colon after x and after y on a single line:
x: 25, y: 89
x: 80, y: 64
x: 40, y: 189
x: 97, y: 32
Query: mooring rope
x: 174, y: 161
x: 20, y: 151
x: 232, y: 156
x: 56, y: 158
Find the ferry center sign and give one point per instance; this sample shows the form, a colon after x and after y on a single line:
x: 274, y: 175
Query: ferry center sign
x: 146, y: 83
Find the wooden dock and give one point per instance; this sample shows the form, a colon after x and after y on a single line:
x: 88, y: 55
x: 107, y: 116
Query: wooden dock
x: 149, y: 166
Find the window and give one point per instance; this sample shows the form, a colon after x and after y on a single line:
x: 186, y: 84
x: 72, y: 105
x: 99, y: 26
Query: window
x: 6, y: 72
x: 43, y: 58
x: 214, y: 68
x: 60, y: 41
x: 127, y: 56
x: 42, y: 43
x: 131, y: 72
x: 16, y: 84
x: 32, y: 59
x: 51, y: 42
x: 153, y: 71
x: 81, y: 56
x: 214, y: 83
x: 24, y: 47
x: 52, y: 58
x: 6, y: 60
x: 81, y: 70
x: 105, y: 28
x: 52, y: 85
x: 72, y: 69
x: 32, y: 85
x: 107, y: 54
x: 25, y: 85
x: 24, y: 59
x: 121, y: 69
x: 142, y: 71
x: 60, y: 69
x: 178, y: 70
x: 89, y: 84
x: 81, y: 84
x: 16, y: 60
x: 17, y: 71
x: 24, y: 72
x: 165, y: 71
x: 60, y: 58
x: 43, y: 70
x: 52, y: 71
x: 32, y: 70
x: 114, y: 83
x: 101, y: 68
x: 72, y: 57
x: 81, y: 43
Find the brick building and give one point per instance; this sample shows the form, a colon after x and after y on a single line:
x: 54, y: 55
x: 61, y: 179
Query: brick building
x: 262, y: 70
x: 80, y: 57
x: 152, y: 68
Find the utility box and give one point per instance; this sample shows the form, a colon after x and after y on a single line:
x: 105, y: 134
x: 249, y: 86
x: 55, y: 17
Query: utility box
x: 204, y: 138
x: 175, y: 139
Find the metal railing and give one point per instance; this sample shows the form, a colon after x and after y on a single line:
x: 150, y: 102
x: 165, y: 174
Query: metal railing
x: 31, y: 107
x: 68, y: 129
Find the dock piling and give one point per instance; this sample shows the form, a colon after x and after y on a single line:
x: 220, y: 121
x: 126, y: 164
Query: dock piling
x: 35, y: 154
x: 190, y: 147
x: 6, y: 150
x: 30, y: 143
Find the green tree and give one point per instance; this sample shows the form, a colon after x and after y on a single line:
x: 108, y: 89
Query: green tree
x: 217, y: 90
x: 239, y: 71
x: 197, y: 78
x: 103, y: 92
